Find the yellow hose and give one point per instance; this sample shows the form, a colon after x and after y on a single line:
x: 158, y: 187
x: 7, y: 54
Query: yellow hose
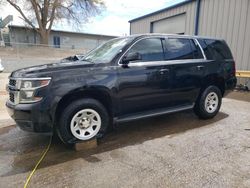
x: 38, y: 163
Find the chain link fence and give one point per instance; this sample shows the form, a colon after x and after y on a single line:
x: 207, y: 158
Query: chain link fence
x: 20, y: 55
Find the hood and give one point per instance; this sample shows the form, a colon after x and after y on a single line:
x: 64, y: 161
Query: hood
x: 49, y: 69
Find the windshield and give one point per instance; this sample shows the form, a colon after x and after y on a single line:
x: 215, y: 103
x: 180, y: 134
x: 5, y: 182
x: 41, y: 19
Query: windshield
x: 107, y: 51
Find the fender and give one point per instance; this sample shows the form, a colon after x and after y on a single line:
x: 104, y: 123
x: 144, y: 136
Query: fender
x: 100, y: 93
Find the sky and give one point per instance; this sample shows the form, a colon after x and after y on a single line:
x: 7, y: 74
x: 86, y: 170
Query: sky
x: 112, y: 21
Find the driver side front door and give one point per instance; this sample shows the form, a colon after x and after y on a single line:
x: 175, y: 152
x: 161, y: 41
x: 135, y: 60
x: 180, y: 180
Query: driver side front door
x: 144, y: 83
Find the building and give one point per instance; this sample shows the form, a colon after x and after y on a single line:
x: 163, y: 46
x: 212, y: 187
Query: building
x: 227, y: 19
x: 21, y: 36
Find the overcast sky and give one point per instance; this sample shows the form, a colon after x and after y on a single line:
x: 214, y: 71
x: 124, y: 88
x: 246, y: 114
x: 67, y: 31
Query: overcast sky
x: 112, y: 21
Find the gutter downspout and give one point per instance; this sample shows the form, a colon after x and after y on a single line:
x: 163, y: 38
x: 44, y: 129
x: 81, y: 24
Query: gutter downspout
x: 129, y: 28
x: 197, y: 17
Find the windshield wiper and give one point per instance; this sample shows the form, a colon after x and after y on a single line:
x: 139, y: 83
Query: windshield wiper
x: 89, y: 60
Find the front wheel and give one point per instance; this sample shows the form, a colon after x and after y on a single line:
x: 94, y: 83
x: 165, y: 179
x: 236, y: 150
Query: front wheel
x: 208, y: 103
x: 82, y: 120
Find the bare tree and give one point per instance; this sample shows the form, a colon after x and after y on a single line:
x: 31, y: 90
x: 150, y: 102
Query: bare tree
x: 42, y: 14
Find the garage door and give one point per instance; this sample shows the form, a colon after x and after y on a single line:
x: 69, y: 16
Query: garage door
x: 175, y: 24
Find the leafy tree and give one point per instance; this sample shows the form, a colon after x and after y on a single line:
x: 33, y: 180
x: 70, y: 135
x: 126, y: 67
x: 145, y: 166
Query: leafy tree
x: 42, y: 14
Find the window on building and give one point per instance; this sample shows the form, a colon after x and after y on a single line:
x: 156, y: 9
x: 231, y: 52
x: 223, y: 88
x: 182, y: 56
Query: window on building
x: 56, y: 41
x: 27, y: 39
x: 150, y: 49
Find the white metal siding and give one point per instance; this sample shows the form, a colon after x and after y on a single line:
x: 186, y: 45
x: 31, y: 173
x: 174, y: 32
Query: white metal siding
x: 174, y: 24
x: 226, y: 19
x: 230, y: 20
x: 67, y: 39
x: 143, y: 25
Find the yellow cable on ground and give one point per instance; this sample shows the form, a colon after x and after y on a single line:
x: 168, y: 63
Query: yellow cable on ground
x: 38, y: 163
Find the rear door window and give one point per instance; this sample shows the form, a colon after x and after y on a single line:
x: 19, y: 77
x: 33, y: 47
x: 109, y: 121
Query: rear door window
x: 180, y: 48
x: 150, y: 49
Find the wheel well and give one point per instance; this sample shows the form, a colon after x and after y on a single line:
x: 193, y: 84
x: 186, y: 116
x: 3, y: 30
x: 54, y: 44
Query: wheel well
x: 219, y: 82
x: 101, y: 96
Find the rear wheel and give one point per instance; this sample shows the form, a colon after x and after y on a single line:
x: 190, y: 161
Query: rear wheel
x: 82, y: 120
x: 208, y: 103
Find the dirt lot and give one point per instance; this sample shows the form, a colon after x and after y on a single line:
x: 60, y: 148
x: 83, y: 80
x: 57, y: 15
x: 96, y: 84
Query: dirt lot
x: 176, y: 150
x: 4, y: 118
x: 14, y: 58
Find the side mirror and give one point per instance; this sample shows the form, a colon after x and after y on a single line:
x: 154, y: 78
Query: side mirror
x: 131, y: 57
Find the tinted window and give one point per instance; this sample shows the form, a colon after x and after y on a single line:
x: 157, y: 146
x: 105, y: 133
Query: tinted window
x: 216, y: 49
x: 177, y: 48
x: 149, y: 49
x: 197, y: 54
x: 207, y: 49
x: 107, y: 51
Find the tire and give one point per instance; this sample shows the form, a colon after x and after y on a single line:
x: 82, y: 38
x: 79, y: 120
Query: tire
x: 208, y: 103
x: 82, y: 120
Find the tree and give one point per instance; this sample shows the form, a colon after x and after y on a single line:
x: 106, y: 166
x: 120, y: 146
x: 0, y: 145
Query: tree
x: 42, y: 14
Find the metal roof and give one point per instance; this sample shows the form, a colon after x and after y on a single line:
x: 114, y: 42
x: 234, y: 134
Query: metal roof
x: 162, y: 10
x: 61, y: 31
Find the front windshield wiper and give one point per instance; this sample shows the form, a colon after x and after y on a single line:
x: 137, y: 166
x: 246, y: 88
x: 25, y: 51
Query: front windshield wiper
x: 71, y: 58
x: 89, y: 60
x: 76, y: 58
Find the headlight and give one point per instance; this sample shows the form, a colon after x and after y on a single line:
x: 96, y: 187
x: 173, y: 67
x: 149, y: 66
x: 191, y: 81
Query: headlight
x: 34, y: 84
x: 28, y: 88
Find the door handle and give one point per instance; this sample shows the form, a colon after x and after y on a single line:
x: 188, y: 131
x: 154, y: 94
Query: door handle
x: 199, y: 67
x: 163, y: 71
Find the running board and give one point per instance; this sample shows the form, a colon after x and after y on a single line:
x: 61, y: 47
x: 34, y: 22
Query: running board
x: 152, y: 113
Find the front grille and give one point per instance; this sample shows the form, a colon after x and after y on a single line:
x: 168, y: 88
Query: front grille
x: 12, y: 97
x: 12, y: 82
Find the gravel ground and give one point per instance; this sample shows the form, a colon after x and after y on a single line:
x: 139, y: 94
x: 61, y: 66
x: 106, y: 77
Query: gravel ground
x: 4, y: 117
x: 176, y: 150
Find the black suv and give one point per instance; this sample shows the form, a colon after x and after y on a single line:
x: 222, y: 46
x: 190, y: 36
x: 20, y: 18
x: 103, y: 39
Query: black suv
x: 125, y: 79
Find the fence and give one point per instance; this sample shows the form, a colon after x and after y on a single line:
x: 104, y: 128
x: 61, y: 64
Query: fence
x: 20, y: 55
x: 30, y: 50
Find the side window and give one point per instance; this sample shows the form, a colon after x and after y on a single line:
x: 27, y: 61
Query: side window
x: 196, y: 50
x: 221, y: 49
x: 178, y: 49
x: 150, y: 49
x: 207, y: 49
x: 216, y: 49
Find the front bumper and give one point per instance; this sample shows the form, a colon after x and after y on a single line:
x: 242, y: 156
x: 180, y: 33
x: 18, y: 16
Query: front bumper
x: 31, y: 117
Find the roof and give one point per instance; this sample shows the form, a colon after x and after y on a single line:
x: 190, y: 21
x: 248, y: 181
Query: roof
x: 162, y: 10
x: 61, y: 31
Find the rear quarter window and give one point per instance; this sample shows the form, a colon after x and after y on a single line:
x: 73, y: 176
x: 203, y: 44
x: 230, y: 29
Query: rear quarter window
x: 215, y: 49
